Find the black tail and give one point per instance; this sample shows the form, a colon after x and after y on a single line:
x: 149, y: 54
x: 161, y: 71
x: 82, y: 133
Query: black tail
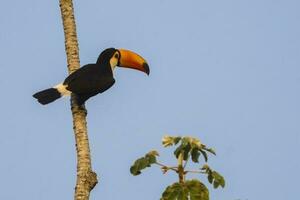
x: 47, y: 96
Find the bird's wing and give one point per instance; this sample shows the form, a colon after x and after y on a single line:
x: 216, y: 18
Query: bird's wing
x: 88, y: 79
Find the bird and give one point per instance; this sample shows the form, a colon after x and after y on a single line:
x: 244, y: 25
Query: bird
x: 92, y: 79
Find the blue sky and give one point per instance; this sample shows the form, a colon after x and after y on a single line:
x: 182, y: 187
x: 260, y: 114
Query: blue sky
x: 224, y: 71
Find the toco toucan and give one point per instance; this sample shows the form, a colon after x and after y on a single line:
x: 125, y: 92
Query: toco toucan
x: 92, y: 79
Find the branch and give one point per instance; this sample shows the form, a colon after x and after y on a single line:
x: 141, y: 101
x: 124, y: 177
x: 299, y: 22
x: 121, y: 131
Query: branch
x: 86, y: 178
x: 180, y: 168
x: 194, y: 171
x: 165, y: 168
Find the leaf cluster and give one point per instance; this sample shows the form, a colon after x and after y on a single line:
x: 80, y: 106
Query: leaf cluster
x: 189, y: 190
x: 189, y: 146
x: 143, y: 162
x: 214, y: 177
x: 186, y: 148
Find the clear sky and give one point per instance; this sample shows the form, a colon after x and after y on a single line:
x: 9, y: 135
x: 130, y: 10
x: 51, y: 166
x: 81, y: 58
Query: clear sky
x: 224, y: 71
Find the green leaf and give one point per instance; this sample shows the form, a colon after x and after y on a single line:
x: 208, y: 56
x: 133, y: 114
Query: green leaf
x: 185, y: 141
x: 151, y: 159
x: 206, y: 168
x: 189, y: 190
x: 195, y: 143
x: 218, y: 180
x: 178, y: 150
x: 195, y: 155
x: 186, y: 151
x: 176, y: 140
x: 210, y: 178
x: 138, y: 165
x: 212, y: 151
x: 134, y: 170
x: 214, y: 177
x: 184, y: 147
x: 216, y: 184
x: 151, y: 156
x: 171, y: 192
x: 143, y: 163
x: 169, y: 140
x: 153, y: 152
x: 204, y: 154
x: 197, y: 190
x: 222, y: 182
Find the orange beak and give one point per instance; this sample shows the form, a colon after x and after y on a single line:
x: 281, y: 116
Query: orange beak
x: 132, y: 60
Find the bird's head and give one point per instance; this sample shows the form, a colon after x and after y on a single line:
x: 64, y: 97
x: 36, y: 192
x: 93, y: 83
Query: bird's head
x: 123, y: 58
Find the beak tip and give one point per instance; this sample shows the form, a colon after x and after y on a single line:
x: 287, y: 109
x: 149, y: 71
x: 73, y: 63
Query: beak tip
x: 147, y: 69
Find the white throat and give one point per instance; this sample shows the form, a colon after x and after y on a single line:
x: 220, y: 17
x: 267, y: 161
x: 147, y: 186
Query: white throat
x: 113, y: 63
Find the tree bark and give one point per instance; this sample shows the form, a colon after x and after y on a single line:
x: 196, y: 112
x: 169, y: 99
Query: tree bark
x: 86, y: 178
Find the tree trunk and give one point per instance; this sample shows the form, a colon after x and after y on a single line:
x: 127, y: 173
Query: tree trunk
x: 86, y: 178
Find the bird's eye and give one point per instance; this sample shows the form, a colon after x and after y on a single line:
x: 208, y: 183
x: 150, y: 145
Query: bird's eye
x: 117, y: 56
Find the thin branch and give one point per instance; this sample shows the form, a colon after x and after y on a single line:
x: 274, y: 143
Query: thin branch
x: 166, y: 168
x: 194, y: 171
x: 180, y: 168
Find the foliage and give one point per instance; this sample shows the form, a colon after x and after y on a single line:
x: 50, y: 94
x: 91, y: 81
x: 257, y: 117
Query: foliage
x: 192, y: 189
x: 187, y: 148
x: 143, y: 162
x: 214, y: 177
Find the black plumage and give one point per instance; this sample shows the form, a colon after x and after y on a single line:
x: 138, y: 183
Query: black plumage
x: 47, y: 96
x: 92, y: 79
x: 89, y: 80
